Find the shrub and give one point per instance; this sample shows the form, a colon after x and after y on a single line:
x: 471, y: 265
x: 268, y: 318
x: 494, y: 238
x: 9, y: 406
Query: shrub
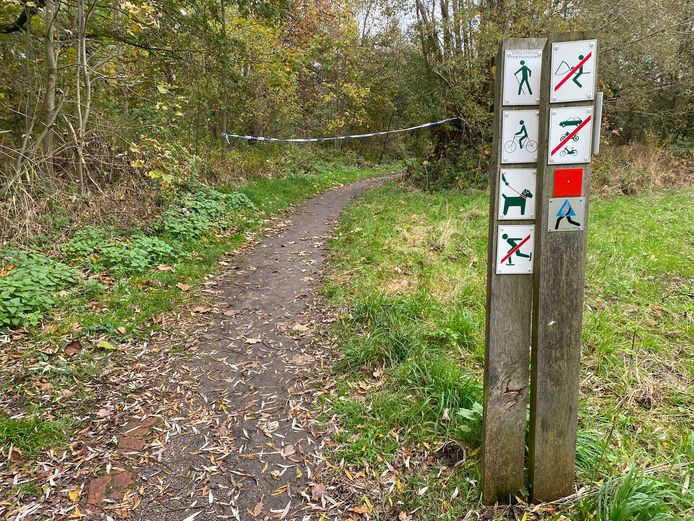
x: 28, y: 283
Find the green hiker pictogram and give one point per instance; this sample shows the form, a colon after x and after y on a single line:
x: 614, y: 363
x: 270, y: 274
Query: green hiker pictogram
x: 579, y: 73
x: 522, y: 134
x: 513, y: 242
x: 525, y: 73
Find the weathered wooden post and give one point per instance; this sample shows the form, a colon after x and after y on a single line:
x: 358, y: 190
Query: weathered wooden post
x: 567, y: 116
x: 510, y: 266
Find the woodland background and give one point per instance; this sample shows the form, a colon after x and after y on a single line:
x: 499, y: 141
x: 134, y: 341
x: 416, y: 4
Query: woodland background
x: 107, y: 107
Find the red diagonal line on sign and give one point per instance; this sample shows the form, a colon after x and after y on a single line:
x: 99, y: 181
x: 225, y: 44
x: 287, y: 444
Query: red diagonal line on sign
x: 567, y: 138
x: 573, y: 71
x: 515, y: 249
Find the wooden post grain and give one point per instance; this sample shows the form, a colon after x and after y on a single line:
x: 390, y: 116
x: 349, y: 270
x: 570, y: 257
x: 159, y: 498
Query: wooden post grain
x: 559, y: 277
x: 507, y: 351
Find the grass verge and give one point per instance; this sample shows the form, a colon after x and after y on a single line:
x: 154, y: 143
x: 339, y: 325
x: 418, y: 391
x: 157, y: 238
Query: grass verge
x: 408, y: 276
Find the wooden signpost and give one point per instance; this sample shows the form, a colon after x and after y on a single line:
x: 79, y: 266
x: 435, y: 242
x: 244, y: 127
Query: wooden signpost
x: 539, y: 187
x: 509, y: 275
x: 566, y: 124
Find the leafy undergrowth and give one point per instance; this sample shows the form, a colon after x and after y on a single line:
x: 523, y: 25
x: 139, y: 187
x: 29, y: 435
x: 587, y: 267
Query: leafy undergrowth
x: 408, y: 275
x: 80, y: 318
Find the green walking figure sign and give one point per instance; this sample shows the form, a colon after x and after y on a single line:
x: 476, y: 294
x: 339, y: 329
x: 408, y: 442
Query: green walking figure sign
x: 522, y: 69
x: 525, y: 73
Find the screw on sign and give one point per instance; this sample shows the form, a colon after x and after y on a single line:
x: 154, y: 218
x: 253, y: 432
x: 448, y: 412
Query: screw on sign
x: 570, y: 134
x: 573, y: 71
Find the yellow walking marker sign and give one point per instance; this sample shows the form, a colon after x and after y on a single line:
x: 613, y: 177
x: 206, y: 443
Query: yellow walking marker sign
x: 573, y: 71
x: 522, y: 70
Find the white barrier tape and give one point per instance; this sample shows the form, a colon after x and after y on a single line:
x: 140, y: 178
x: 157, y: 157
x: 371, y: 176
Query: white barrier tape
x: 229, y: 137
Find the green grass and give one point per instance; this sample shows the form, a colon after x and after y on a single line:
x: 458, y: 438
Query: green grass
x: 33, y: 434
x: 637, y: 497
x: 408, y: 271
x: 123, y: 307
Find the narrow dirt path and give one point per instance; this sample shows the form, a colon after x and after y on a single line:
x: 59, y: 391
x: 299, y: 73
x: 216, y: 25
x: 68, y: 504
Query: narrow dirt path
x: 247, y: 445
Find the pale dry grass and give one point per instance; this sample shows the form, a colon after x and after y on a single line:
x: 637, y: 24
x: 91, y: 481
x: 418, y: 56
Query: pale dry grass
x: 639, y: 168
x: 58, y: 210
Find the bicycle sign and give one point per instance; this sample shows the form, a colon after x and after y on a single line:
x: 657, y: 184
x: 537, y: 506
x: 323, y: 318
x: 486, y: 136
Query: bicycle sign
x: 570, y: 135
x: 519, y: 136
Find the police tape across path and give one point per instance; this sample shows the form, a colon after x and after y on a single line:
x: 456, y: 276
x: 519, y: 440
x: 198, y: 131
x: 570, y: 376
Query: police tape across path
x: 229, y: 137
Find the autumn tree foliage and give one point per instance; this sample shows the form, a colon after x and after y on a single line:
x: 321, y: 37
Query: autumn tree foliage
x: 101, y: 92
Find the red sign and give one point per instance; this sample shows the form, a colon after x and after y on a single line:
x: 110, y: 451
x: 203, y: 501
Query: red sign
x: 568, y: 182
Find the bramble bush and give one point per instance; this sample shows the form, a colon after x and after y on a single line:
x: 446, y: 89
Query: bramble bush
x: 28, y: 284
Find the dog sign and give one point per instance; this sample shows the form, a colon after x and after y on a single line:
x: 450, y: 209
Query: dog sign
x: 517, y: 193
x: 522, y: 70
x: 573, y: 71
x: 570, y: 135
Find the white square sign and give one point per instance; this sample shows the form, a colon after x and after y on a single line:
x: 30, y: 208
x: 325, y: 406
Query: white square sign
x: 522, y: 69
x: 573, y: 71
x: 566, y: 214
x: 517, y: 193
x: 570, y: 135
x: 514, y: 249
x: 519, y: 136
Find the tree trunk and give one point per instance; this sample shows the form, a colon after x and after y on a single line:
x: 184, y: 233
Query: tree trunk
x: 51, y: 12
x: 225, y: 76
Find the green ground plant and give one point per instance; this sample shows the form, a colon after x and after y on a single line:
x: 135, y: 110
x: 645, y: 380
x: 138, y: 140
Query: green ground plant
x: 28, y: 286
x: 637, y: 497
x: 408, y: 276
